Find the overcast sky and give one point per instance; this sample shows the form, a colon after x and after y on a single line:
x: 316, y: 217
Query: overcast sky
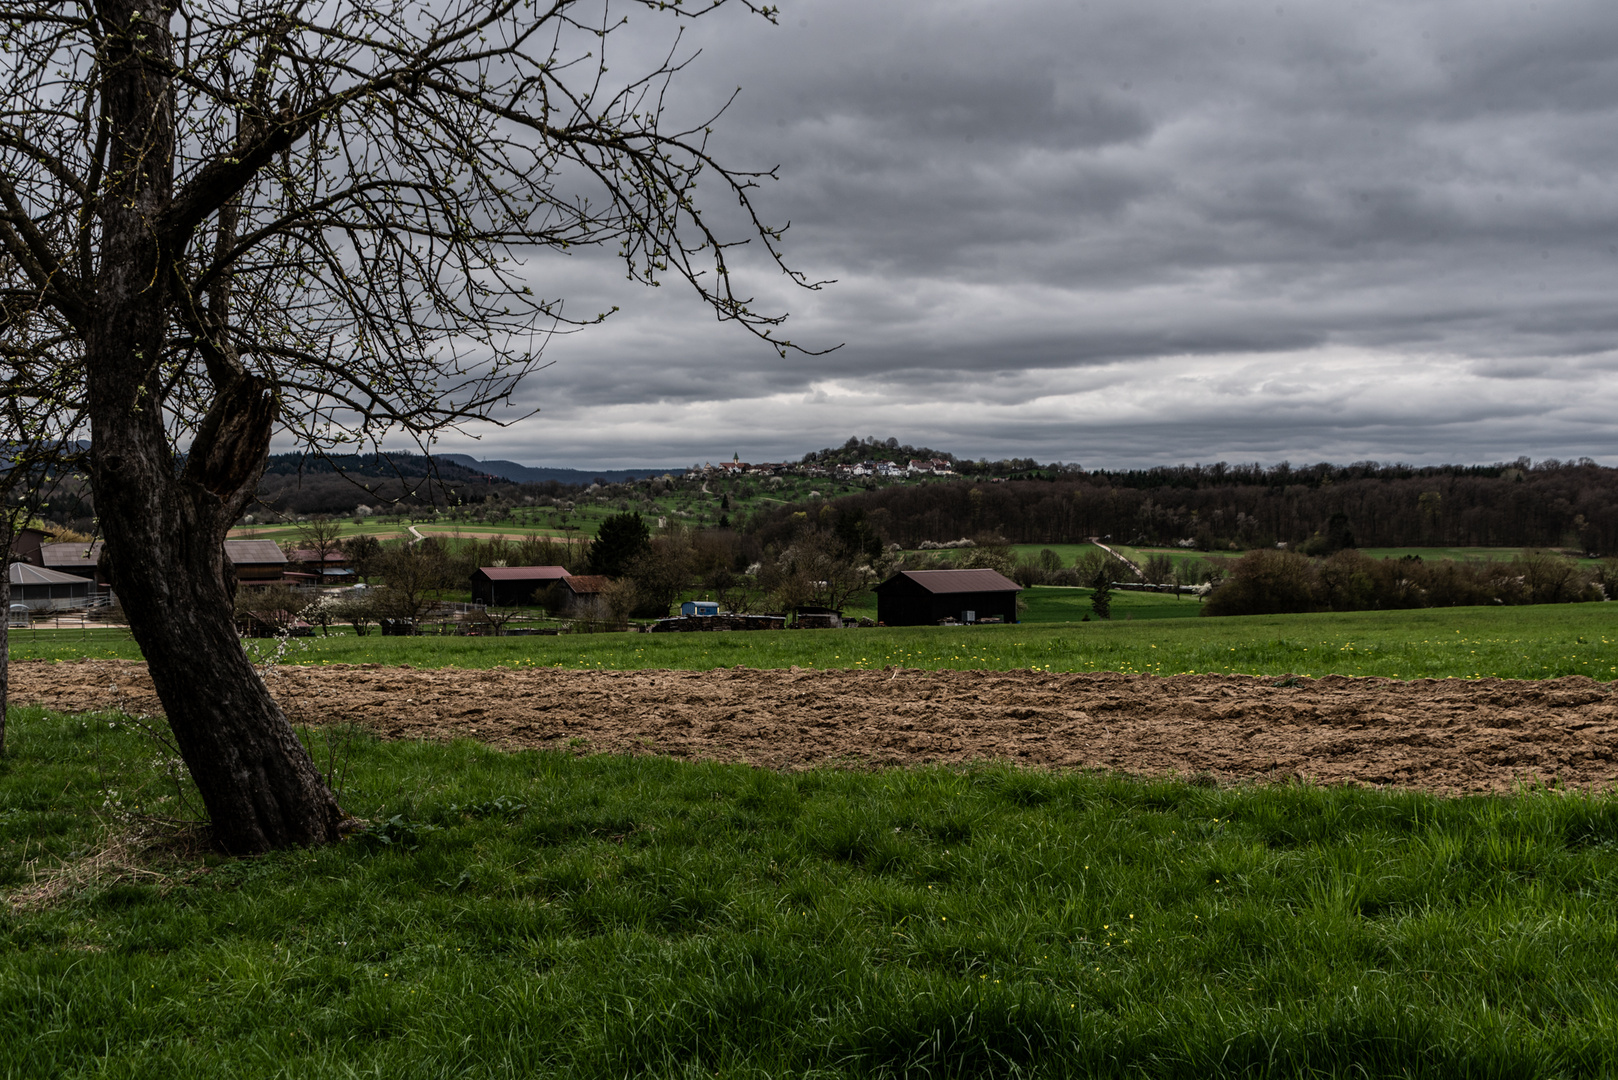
x: 1134, y: 232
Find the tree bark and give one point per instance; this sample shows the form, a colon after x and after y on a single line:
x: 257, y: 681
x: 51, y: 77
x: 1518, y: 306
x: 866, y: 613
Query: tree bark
x: 165, y: 528
x: 164, y: 554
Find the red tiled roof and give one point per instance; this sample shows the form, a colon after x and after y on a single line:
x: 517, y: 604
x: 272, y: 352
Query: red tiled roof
x: 585, y: 584
x: 961, y: 581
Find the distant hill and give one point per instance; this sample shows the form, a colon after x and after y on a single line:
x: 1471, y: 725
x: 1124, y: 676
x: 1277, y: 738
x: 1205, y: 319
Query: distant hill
x: 388, y: 464
x: 535, y: 474
x: 872, y: 448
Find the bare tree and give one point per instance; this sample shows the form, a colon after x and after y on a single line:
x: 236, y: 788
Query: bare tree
x: 230, y: 218
x: 415, y: 577
x: 826, y: 571
x: 322, y: 535
x: 358, y: 608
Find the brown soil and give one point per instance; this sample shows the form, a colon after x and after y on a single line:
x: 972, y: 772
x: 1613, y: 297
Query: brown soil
x: 1437, y: 735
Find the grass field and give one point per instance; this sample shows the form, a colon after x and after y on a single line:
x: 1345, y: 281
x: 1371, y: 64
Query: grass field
x: 1509, y: 642
x: 391, y: 529
x: 1068, y: 553
x: 1055, y: 604
x: 535, y: 914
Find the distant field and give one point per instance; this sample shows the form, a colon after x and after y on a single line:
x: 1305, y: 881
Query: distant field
x: 1069, y: 553
x: 1510, y: 642
x: 510, y: 532
x: 1053, y: 604
x: 390, y: 529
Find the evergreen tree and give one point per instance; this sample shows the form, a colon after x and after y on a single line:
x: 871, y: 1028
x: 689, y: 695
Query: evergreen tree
x: 620, y: 541
x: 1101, y: 595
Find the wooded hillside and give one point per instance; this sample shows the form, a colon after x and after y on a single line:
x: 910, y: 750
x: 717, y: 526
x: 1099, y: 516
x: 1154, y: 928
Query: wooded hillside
x: 1549, y: 504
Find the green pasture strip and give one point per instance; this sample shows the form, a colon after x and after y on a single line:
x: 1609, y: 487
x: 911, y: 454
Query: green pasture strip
x: 478, y: 531
x: 1067, y: 552
x: 537, y: 914
x: 393, y: 530
x: 1056, y: 604
x: 1070, y: 553
x: 1536, y: 642
x: 1139, y: 555
x: 375, y: 526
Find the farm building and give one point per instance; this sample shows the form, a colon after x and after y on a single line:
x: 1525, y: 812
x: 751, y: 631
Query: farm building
x: 818, y: 618
x: 25, y: 544
x: 512, y: 586
x: 308, y: 566
x: 75, y: 557
x: 924, y: 597
x: 583, y: 591
x: 40, y: 589
x: 257, y: 563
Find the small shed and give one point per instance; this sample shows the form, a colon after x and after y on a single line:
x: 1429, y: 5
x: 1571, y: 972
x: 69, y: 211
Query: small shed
x: 584, y: 590
x: 41, y: 589
x: 926, y: 597
x: 17, y: 617
x: 818, y: 618
x: 512, y: 586
x: 699, y: 607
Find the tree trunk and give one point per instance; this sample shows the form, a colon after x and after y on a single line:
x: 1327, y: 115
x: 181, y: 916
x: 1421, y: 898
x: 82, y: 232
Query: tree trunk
x: 165, y: 556
x: 165, y: 528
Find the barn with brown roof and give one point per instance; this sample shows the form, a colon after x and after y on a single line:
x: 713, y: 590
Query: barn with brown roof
x: 928, y: 597
x: 582, y: 590
x: 512, y: 586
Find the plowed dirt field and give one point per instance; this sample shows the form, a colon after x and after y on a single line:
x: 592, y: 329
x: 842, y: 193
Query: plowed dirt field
x: 1436, y: 735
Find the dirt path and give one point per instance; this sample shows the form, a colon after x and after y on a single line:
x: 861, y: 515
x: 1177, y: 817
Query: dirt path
x: 1438, y: 735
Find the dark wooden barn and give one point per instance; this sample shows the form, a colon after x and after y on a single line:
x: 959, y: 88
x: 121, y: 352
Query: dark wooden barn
x: 512, y: 586
x: 927, y: 597
x: 258, y: 564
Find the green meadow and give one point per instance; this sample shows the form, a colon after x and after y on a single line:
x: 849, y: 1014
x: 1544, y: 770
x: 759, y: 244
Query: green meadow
x: 537, y: 914
x: 1508, y: 642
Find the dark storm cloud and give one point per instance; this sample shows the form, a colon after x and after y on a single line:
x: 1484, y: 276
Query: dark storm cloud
x: 1137, y: 230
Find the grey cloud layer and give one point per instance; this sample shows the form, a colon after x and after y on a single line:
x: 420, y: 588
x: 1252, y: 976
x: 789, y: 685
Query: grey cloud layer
x: 1039, y: 208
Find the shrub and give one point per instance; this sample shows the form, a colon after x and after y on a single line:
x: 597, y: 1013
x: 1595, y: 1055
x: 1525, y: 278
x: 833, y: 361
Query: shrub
x: 1267, y: 582
x: 1284, y: 582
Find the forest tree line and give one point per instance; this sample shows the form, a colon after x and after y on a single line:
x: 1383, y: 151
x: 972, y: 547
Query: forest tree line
x: 1217, y: 508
